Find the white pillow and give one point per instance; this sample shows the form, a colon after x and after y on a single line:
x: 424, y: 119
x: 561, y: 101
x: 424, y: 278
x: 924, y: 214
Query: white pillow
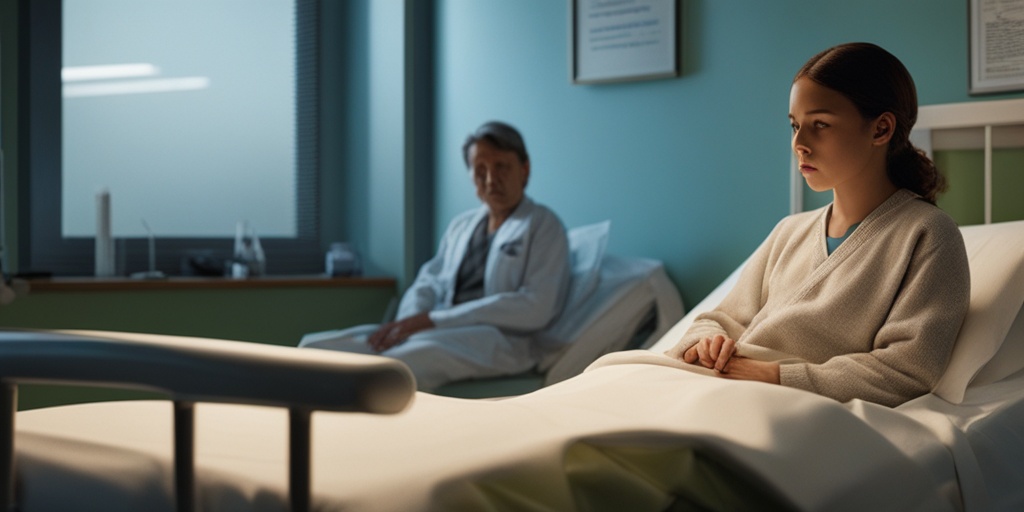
x: 1008, y: 360
x: 586, y: 248
x: 611, y: 313
x: 996, y: 254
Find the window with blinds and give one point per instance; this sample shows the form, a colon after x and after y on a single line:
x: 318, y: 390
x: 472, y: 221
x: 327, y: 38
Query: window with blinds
x: 194, y: 116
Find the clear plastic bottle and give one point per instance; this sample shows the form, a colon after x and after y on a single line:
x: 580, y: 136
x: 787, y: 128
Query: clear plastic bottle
x: 249, y: 260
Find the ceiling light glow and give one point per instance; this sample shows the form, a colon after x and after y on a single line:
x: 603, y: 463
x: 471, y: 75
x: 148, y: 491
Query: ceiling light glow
x: 105, y: 72
x: 136, y: 86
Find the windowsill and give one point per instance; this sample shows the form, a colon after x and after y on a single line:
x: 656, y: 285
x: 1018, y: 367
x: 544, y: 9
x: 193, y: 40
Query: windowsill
x: 80, y: 284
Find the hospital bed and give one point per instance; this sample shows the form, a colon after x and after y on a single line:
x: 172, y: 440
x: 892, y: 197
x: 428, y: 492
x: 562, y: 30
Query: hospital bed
x: 632, y: 432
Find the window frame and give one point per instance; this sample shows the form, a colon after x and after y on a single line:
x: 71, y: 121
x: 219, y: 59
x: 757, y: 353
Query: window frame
x: 45, y: 250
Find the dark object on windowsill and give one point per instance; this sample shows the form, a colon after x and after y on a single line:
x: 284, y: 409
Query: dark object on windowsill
x: 204, y: 264
x: 34, y: 274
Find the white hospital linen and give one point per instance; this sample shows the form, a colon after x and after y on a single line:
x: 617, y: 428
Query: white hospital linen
x: 439, y: 356
x: 454, y: 454
x: 525, y: 286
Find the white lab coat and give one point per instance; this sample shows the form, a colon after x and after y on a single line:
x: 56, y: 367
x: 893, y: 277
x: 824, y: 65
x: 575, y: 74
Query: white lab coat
x: 526, y: 281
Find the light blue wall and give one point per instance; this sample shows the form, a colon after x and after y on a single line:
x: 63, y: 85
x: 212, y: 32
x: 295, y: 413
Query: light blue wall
x: 344, y: 117
x: 693, y: 170
x: 387, y: 134
x: 377, y: 131
x: 366, y: 135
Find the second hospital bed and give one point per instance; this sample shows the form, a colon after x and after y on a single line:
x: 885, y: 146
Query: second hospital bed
x: 615, y: 303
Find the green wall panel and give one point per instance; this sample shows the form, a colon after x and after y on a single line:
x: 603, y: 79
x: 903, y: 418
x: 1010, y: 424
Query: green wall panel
x: 964, y: 200
x: 278, y: 316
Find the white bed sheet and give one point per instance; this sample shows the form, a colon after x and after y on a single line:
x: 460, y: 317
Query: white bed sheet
x: 629, y: 294
x: 455, y: 454
x: 928, y: 454
x: 628, y: 291
x: 985, y: 435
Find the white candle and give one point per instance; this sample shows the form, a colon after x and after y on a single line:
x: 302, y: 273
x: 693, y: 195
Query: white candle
x: 152, y: 247
x: 104, y: 240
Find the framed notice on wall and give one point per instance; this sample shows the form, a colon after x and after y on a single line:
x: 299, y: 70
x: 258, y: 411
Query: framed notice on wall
x: 619, y: 40
x: 997, y: 46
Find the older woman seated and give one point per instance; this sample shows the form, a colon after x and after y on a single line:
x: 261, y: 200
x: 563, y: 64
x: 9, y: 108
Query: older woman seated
x: 501, y: 273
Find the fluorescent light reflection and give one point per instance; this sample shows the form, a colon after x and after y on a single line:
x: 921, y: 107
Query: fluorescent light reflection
x: 106, y: 72
x: 136, y: 86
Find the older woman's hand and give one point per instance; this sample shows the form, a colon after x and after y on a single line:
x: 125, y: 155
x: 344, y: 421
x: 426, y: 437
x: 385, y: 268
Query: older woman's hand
x: 395, y: 333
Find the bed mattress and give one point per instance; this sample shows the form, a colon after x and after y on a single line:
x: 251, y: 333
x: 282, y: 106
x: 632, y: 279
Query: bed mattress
x: 628, y: 428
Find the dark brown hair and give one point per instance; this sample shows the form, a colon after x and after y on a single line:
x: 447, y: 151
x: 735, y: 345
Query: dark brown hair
x: 877, y: 82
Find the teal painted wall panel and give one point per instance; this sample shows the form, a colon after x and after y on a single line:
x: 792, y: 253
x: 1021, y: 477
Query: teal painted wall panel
x: 692, y: 170
x: 386, y: 138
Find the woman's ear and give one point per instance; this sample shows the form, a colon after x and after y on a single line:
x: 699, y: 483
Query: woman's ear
x: 884, y: 127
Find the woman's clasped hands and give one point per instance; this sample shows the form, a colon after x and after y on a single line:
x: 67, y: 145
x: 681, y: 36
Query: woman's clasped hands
x: 713, y: 352
x: 718, y: 353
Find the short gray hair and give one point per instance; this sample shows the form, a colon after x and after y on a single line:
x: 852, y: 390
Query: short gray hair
x: 502, y: 135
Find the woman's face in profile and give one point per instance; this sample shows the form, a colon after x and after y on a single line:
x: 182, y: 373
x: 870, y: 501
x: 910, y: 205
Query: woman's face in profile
x: 500, y: 178
x: 831, y: 139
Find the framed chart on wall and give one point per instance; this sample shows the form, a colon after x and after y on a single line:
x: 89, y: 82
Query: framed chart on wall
x: 997, y: 46
x: 614, y: 41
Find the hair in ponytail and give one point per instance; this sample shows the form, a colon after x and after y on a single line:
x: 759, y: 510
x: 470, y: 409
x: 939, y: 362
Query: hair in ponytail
x: 877, y: 82
x: 908, y: 167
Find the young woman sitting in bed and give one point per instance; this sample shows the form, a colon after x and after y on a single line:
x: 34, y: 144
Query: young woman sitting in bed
x: 862, y: 298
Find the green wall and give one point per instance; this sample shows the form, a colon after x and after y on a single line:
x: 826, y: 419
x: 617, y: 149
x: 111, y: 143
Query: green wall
x: 266, y: 315
x: 964, y: 170
x: 274, y: 316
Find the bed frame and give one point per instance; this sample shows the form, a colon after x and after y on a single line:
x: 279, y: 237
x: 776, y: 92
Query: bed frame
x: 217, y: 371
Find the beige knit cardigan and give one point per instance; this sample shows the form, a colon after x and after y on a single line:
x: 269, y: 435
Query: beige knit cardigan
x: 876, y: 320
